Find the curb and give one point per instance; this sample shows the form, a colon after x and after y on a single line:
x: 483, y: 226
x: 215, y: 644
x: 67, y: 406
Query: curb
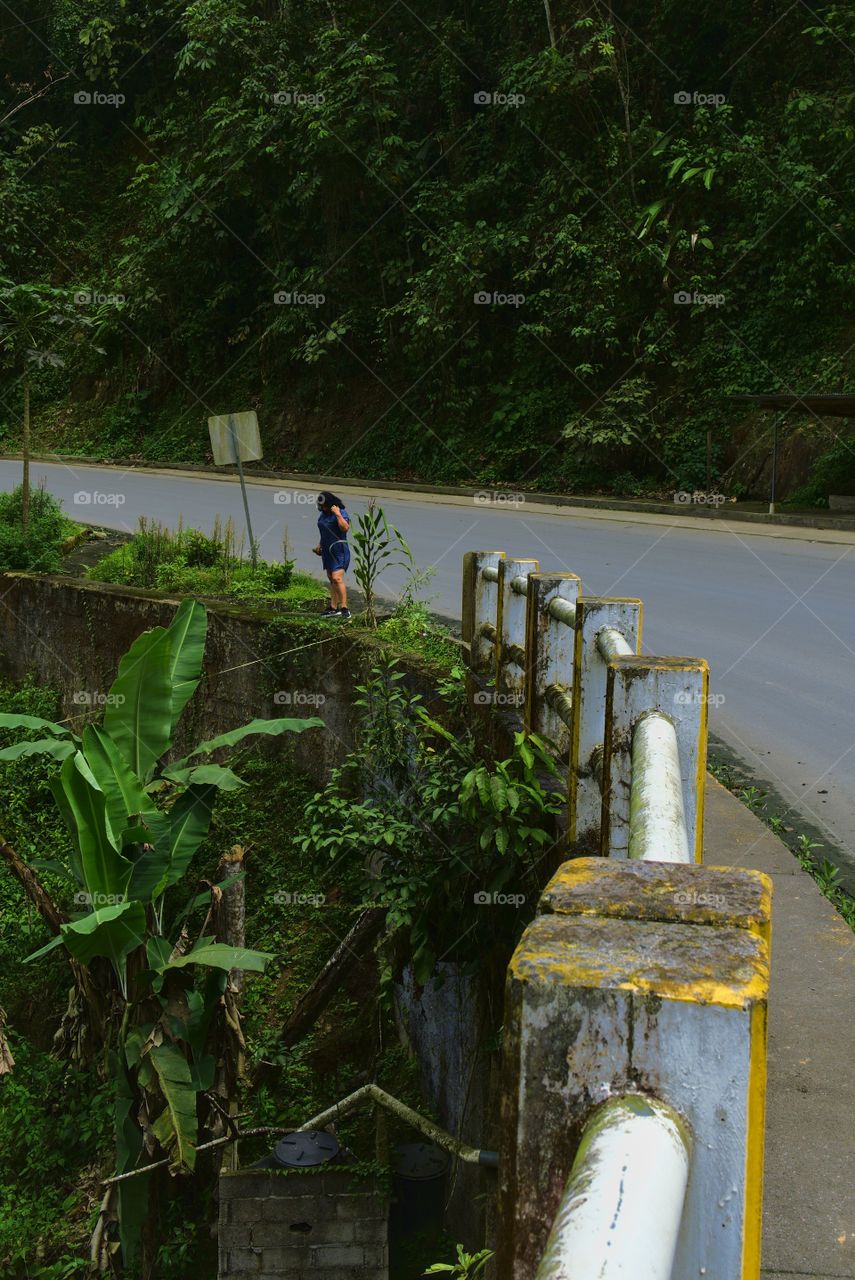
x: 677, y: 510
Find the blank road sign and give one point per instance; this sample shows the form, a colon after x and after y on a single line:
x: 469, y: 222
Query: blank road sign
x: 246, y: 435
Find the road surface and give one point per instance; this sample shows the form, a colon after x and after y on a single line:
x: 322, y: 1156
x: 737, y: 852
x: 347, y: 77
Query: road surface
x: 773, y: 615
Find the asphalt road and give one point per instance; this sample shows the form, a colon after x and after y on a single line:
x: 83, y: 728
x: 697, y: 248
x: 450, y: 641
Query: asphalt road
x: 772, y: 615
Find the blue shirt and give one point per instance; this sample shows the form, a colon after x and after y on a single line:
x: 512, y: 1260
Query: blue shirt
x: 331, y: 534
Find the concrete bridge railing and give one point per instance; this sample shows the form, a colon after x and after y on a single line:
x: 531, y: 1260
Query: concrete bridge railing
x: 632, y: 728
x: 635, y: 1020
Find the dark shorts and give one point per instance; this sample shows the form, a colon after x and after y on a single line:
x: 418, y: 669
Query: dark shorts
x: 337, y: 557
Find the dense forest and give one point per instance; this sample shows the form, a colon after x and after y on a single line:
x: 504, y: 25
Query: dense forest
x: 528, y: 241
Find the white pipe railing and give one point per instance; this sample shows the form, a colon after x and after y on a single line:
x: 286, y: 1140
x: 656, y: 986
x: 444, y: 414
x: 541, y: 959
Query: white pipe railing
x: 657, y: 817
x: 620, y: 1214
x: 613, y: 644
x: 635, y: 791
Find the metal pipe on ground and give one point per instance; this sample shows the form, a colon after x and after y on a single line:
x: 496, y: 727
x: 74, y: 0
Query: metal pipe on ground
x: 657, y: 818
x: 622, y: 1207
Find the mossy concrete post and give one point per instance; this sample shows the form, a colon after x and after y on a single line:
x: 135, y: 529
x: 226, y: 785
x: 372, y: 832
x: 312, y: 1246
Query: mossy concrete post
x: 510, y: 631
x: 594, y: 615
x: 677, y: 690
x: 481, y: 607
x: 549, y: 639
x: 639, y: 978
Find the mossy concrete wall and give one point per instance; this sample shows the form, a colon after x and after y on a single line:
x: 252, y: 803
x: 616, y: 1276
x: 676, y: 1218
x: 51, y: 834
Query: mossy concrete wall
x: 70, y: 634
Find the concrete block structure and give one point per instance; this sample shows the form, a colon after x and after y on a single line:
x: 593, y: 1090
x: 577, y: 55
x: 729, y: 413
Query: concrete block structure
x: 324, y: 1223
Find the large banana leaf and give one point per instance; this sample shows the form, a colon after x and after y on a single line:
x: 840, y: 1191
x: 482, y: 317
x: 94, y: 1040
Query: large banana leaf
x: 234, y: 736
x: 123, y: 792
x: 214, y: 775
x: 190, y: 818
x: 138, y: 715
x: 113, y: 932
x: 59, y: 748
x: 10, y: 720
x: 218, y: 955
x: 83, y: 805
x: 152, y: 863
x: 176, y: 836
x: 188, y: 631
x: 132, y: 1194
x: 176, y: 1127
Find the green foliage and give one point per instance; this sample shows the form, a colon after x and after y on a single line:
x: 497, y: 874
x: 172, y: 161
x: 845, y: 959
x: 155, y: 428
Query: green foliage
x: 467, y: 1266
x: 411, y: 628
x: 54, y: 1126
x: 452, y: 846
x: 189, y: 562
x: 378, y: 546
x: 126, y: 852
x: 392, y: 196
x: 37, y: 549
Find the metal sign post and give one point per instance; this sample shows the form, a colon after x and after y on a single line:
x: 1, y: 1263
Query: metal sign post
x: 253, y: 550
x: 235, y: 438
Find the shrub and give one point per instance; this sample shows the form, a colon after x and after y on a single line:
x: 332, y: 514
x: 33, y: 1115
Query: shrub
x: 37, y: 551
x: 190, y: 562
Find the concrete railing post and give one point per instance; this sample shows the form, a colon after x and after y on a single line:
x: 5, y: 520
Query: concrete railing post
x: 655, y: 758
x: 510, y: 628
x: 549, y: 642
x: 480, y: 608
x: 594, y: 615
x: 637, y: 978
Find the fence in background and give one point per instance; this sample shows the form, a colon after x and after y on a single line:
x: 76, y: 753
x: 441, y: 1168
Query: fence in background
x: 635, y: 1031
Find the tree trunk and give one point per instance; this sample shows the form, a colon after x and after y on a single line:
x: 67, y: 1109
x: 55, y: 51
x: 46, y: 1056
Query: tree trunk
x: 229, y: 913
x: 30, y: 883
x: 7, y: 1062
x: 314, y: 1001
x: 549, y: 23
x: 80, y: 1036
x: 25, y: 486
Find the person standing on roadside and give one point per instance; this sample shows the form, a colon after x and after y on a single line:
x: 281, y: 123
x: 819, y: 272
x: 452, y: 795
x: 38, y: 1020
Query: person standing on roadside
x: 333, y: 548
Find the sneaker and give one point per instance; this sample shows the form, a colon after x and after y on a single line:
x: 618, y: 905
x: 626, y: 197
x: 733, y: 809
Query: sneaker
x: 330, y: 612
x: 343, y: 614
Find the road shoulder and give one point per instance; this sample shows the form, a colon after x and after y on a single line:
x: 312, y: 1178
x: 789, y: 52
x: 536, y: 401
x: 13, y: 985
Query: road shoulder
x: 809, y: 1202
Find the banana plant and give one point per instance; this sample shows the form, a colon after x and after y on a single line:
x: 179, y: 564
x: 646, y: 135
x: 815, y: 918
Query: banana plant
x: 135, y: 824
